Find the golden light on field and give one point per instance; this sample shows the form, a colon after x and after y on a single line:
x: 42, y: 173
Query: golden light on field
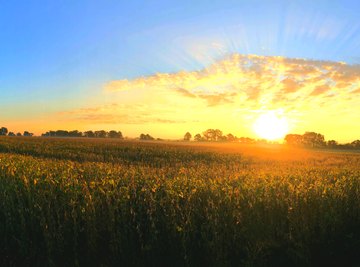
x: 270, y: 126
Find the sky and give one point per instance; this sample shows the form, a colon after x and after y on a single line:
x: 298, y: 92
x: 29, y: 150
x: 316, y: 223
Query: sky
x: 167, y: 67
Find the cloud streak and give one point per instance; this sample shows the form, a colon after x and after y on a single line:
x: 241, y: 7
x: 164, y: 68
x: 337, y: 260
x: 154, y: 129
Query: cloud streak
x: 257, y: 77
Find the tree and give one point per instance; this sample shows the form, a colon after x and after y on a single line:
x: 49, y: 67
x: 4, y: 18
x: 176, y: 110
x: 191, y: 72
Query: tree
x: 355, y: 143
x: 18, y: 134
x: 332, y: 143
x: 3, y: 131
x: 75, y: 133
x: 100, y: 134
x: 146, y: 137
x: 218, y: 134
x: 198, y: 137
x: 187, y: 136
x: 115, y: 134
x: 28, y: 134
x: 313, y: 139
x: 230, y: 137
x: 90, y: 134
x: 309, y: 139
x: 11, y: 134
x: 213, y: 135
x: 246, y: 140
x: 294, y: 139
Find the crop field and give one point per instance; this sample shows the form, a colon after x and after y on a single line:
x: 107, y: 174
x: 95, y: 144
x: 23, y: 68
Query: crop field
x: 88, y: 202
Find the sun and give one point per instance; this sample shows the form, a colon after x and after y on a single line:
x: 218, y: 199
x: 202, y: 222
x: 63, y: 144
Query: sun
x: 270, y: 126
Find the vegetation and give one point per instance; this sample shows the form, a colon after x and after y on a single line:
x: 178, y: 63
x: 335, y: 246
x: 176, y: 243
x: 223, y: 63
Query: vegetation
x: 90, y: 134
x: 308, y: 139
x: 106, y: 202
x: 316, y: 140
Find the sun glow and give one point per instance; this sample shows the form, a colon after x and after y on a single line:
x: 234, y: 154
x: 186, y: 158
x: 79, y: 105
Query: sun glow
x: 270, y: 126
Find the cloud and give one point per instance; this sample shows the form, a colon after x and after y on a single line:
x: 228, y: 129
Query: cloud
x: 290, y: 85
x: 320, y: 90
x: 185, y: 92
x: 356, y: 91
x: 217, y: 99
x: 118, y: 114
x: 230, y: 92
x: 250, y: 75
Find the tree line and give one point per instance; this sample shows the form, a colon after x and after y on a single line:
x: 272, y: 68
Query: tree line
x: 216, y: 135
x: 5, y: 132
x: 308, y: 139
x: 76, y: 133
x: 89, y: 134
x: 317, y: 140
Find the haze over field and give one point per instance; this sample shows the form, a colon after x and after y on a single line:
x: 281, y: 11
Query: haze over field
x: 260, y: 69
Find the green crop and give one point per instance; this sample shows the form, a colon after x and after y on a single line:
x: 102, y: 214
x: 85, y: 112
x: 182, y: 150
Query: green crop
x: 75, y: 202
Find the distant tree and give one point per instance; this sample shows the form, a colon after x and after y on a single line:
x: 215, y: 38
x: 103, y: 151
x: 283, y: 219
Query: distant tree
x: 332, y: 143
x: 198, y: 137
x: 355, y: 144
x: 308, y: 139
x: 115, y: 134
x: 212, y: 134
x: 230, y: 137
x: 208, y: 134
x: 146, y: 137
x: 18, y: 134
x: 61, y: 133
x: 313, y: 139
x: 11, y: 134
x: 3, y: 131
x: 187, y: 136
x: 75, y: 133
x: 100, y: 134
x: 218, y: 134
x: 90, y: 134
x: 28, y: 134
x: 294, y: 139
x: 246, y: 140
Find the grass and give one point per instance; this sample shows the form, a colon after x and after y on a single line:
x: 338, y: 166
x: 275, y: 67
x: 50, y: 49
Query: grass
x: 84, y: 202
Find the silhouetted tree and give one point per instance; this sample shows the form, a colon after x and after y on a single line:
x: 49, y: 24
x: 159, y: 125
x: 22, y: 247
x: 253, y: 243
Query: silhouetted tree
x: 146, y: 137
x: 218, y: 134
x: 230, y: 137
x: 100, y: 134
x: 90, y: 134
x: 28, y: 134
x: 11, y: 134
x: 18, y: 134
x: 309, y: 139
x: 198, y: 137
x: 187, y: 136
x: 75, y: 133
x: 355, y: 143
x: 294, y: 139
x: 212, y: 134
x: 115, y: 134
x: 332, y: 143
x: 3, y: 131
x: 313, y: 139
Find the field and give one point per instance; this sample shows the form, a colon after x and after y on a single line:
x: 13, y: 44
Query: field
x: 91, y: 202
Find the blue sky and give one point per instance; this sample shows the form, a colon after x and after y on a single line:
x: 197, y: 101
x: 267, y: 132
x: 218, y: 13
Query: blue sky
x: 55, y: 55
